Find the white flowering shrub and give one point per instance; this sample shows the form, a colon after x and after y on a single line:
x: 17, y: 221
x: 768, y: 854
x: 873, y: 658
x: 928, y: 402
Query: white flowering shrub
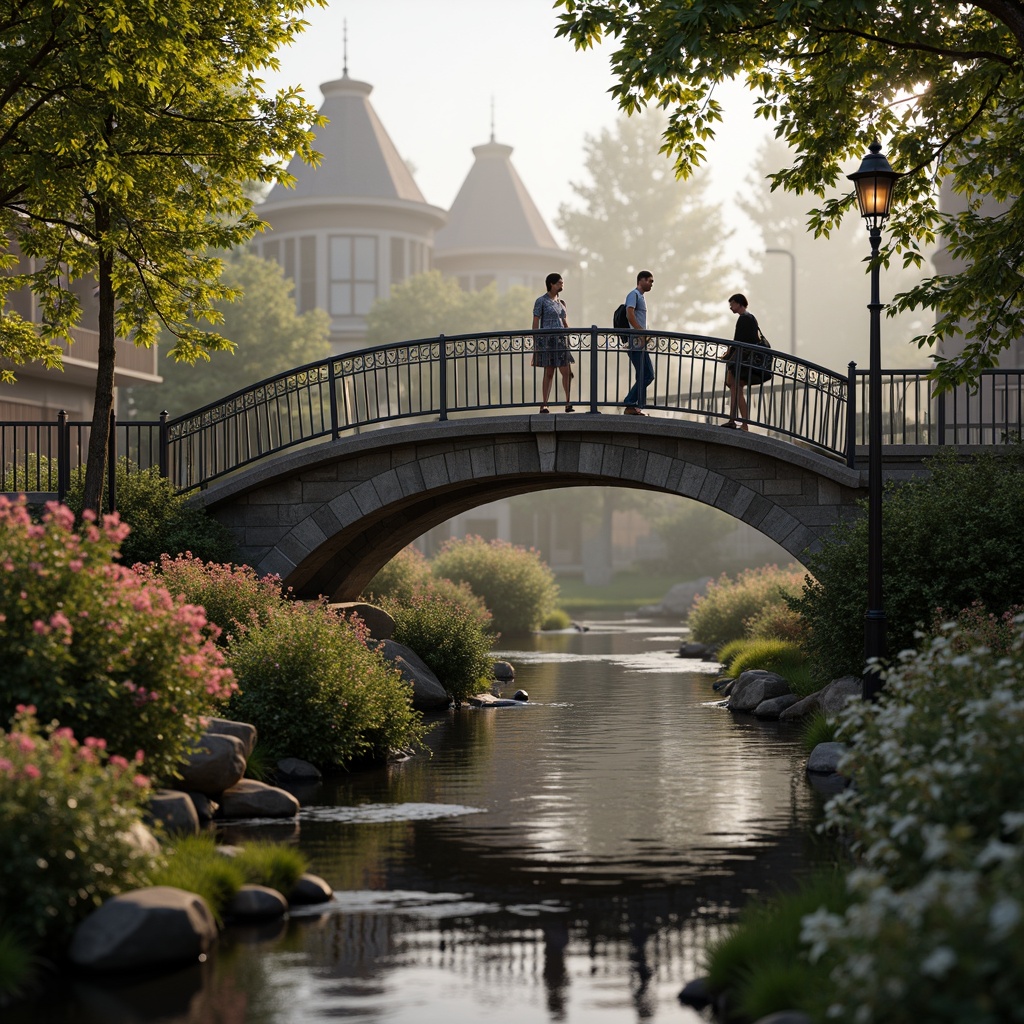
x: 935, y: 818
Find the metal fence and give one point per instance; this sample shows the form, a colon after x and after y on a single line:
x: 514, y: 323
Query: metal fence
x: 445, y: 377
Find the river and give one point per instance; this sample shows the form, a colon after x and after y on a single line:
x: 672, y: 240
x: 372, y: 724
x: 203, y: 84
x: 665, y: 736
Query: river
x: 564, y: 860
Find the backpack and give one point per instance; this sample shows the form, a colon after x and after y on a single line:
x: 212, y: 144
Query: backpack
x: 619, y: 319
x: 761, y: 363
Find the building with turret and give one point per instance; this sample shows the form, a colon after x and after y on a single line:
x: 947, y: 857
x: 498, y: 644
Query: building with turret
x: 357, y: 223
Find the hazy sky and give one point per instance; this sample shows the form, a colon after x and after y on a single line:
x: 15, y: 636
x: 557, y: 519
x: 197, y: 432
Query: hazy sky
x: 435, y: 67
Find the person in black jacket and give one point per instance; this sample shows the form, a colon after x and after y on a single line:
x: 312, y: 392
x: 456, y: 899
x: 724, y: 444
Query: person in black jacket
x: 737, y: 375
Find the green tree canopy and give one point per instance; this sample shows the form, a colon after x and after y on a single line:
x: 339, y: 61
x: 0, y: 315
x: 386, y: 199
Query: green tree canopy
x: 268, y: 334
x: 941, y: 82
x: 129, y: 133
x: 428, y: 304
x: 636, y: 215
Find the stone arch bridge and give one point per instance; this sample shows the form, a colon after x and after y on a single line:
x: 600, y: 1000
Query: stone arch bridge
x: 328, y: 518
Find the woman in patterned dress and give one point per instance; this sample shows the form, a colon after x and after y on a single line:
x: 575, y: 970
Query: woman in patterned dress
x: 551, y: 350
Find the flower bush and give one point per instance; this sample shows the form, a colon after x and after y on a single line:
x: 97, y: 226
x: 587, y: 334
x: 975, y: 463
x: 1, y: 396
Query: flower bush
x: 314, y: 689
x: 450, y: 638
x: 95, y: 646
x: 936, y: 928
x: 721, y: 613
x: 515, y: 584
x: 406, y: 573
x: 229, y: 594
x: 976, y: 625
x: 67, y: 807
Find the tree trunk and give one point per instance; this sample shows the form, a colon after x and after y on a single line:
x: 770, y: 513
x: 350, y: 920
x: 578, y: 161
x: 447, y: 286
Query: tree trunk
x: 104, y: 399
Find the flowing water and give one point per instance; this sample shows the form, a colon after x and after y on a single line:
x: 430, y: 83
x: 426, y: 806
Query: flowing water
x: 563, y: 860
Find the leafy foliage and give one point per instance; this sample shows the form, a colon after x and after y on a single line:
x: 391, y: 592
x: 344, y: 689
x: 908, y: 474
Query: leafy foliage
x: 945, y: 545
x: 268, y: 335
x: 516, y: 585
x: 941, y: 81
x: 428, y: 304
x: 781, y: 656
x: 315, y: 690
x: 128, y: 138
x: 409, y: 574
x: 449, y: 636
x: 933, y: 818
x: 721, y: 613
x: 760, y: 962
x: 161, y: 521
x: 634, y: 214
x: 97, y: 647
x: 67, y: 808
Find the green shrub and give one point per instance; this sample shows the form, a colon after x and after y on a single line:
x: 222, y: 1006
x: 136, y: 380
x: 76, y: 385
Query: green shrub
x: 161, y: 521
x: 514, y: 583
x: 780, y: 656
x: 934, y: 819
x: 66, y: 808
x: 761, y: 963
x: 449, y: 638
x: 557, y: 619
x: 946, y: 543
x: 726, y: 654
x: 271, y: 864
x: 777, y: 621
x: 315, y: 690
x: 18, y: 965
x: 229, y: 594
x: 406, y: 573
x: 97, y: 647
x: 819, y: 728
x: 722, y: 612
x: 195, y: 865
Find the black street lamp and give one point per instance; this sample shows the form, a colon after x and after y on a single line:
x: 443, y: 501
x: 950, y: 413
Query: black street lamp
x: 874, y: 182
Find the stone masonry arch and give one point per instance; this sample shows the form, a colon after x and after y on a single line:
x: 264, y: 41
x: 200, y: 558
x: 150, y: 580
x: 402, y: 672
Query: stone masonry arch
x: 327, y: 518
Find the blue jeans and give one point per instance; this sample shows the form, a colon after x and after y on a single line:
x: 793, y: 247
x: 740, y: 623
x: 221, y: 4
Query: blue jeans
x: 641, y: 362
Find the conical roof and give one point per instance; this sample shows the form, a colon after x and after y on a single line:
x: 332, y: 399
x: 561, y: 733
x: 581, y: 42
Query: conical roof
x: 358, y: 158
x: 493, y: 212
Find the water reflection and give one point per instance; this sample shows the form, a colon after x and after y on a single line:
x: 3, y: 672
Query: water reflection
x: 565, y: 860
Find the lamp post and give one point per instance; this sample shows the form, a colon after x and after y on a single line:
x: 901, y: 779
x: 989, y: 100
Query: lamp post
x: 792, y: 294
x: 874, y: 181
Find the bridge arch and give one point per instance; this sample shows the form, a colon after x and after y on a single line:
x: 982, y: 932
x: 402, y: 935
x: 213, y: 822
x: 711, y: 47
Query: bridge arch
x: 326, y: 519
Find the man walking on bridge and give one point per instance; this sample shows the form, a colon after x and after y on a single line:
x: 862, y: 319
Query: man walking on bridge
x: 636, y: 314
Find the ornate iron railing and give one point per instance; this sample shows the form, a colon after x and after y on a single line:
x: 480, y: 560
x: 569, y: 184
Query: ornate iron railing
x: 468, y: 375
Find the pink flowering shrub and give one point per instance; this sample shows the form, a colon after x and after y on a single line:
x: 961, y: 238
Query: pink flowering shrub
x: 977, y: 626
x: 97, y: 647
x: 66, y: 807
x: 228, y: 593
x: 314, y: 689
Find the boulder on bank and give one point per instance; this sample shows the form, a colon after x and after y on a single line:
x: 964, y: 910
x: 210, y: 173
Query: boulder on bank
x: 144, y: 928
x: 256, y: 903
x: 252, y: 799
x: 755, y: 686
x: 175, y: 811
x: 824, y: 758
x: 310, y: 889
x: 772, y: 708
x: 488, y: 700
x: 427, y: 692
x: 294, y: 769
x: 240, y: 730
x: 380, y: 624
x: 217, y: 763
x: 830, y: 700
